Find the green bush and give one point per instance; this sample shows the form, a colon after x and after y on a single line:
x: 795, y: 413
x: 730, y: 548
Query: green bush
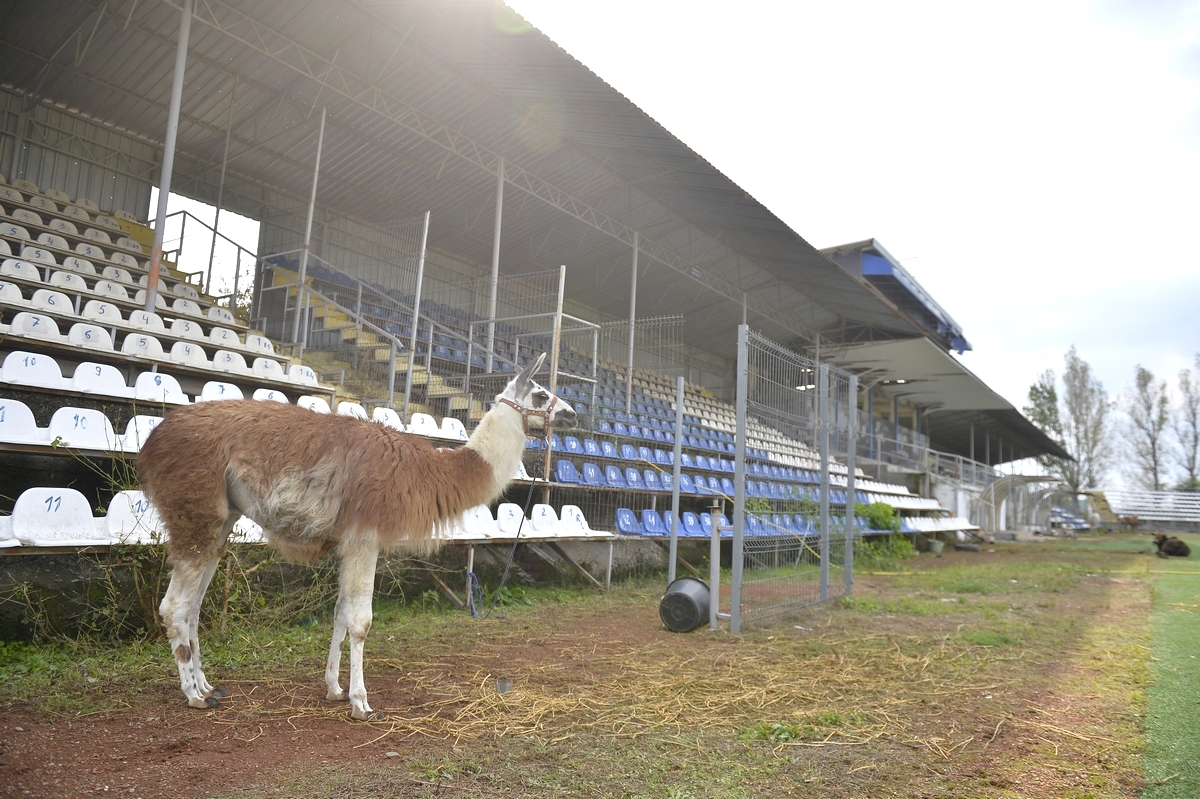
x: 879, y: 516
x: 883, y: 553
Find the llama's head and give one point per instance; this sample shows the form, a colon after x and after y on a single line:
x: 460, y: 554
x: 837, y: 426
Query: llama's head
x: 538, y: 407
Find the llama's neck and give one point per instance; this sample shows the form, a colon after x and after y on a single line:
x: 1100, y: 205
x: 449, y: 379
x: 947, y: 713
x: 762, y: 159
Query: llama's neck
x: 500, y: 441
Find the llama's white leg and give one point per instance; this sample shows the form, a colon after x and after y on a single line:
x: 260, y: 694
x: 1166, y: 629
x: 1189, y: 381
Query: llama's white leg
x: 187, y: 578
x: 357, y: 585
x: 333, y: 665
x: 193, y: 635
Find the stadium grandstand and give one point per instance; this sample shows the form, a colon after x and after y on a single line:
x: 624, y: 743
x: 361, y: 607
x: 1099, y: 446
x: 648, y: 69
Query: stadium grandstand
x: 443, y: 193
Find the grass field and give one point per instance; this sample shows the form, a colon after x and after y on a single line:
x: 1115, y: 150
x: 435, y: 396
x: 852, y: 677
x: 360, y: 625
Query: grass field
x: 1066, y: 669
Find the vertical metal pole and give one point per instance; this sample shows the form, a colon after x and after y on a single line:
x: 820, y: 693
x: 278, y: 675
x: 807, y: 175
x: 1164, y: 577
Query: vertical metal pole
x: 871, y: 422
x: 470, y: 568
x: 714, y: 565
x: 739, y: 479
x: 18, y: 145
x: 168, y: 164
x: 896, y: 422
x: 495, y: 282
x: 823, y: 446
x: 674, y: 556
x: 412, y: 339
x: 632, y: 323
x: 557, y: 345
x: 312, y: 203
x: 851, y: 488
x: 221, y: 191
x: 392, y: 376
x: 237, y: 271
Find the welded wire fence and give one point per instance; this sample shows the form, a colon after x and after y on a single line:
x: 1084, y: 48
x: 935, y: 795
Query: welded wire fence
x: 796, y: 429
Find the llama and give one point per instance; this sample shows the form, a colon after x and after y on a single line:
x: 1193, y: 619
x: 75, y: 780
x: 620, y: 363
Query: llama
x: 1171, y: 546
x: 318, y: 484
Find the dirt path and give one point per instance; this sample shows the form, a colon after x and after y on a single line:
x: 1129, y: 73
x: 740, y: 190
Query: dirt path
x: 971, y: 679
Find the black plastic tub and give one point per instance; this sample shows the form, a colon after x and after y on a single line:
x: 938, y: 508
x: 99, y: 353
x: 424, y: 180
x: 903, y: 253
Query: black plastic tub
x: 685, y: 605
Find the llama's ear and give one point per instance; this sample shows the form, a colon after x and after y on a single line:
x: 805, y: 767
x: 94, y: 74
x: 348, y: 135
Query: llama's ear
x: 525, y: 375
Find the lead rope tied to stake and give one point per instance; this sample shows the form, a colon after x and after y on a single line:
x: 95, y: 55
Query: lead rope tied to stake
x: 474, y: 588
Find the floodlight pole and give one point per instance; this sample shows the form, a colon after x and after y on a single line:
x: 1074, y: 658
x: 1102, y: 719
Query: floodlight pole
x: 168, y: 164
x: 494, y: 286
x: 312, y: 202
x: 632, y: 322
x: 557, y: 345
x: 823, y: 447
x: 220, y: 199
x: 412, y: 339
x: 739, y: 479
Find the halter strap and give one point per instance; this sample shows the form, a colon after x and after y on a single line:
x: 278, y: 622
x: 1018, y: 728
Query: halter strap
x: 544, y: 433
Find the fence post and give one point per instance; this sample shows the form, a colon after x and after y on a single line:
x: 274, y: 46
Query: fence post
x: 714, y: 563
x: 739, y: 479
x: 674, y: 552
x: 823, y: 447
x: 851, y: 488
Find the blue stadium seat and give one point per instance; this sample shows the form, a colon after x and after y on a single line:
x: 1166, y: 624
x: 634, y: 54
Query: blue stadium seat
x: 627, y: 522
x: 700, y: 485
x: 652, y: 523
x: 565, y: 471
x: 650, y: 480
x: 685, y: 460
x: 685, y: 485
x: 591, y: 448
x: 608, y: 449
x: 592, y: 475
x: 691, y: 526
x: 620, y: 429
x: 645, y: 454
x: 571, y: 444
x: 662, y: 458
x: 633, y: 479
x: 613, y: 477
x: 635, y: 431
x: 752, y: 489
x: 628, y: 453
x: 706, y: 524
x: 667, y: 480
x: 604, y: 428
x: 701, y: 462
x: 556, y: 444
x: 727, y: 487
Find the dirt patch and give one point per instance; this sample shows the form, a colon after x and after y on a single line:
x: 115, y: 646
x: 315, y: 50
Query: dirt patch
x: 1012, y: 673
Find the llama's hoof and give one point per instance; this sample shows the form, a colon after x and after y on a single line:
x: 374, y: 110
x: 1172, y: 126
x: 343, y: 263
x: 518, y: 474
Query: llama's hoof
x: 370, y: 715
x: 204, y: 703
x: 337, y: 696
x: 217, y: 693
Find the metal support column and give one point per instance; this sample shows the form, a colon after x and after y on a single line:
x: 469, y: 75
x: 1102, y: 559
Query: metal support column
x: 412, y: 339
x: 312, y: 203
x: 851, y: 488
x: 675, y: 467
x: 823, y: 446
x: 220, y: 200
x: 18, y: 145
x: 495, y: 282
x: 632, y: 323
x: 168, y: 163
x: 739, y: 479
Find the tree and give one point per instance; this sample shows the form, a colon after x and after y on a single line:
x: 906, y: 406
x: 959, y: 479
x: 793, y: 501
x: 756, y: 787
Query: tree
x: 1187, y: 428
x: 1078, y: 423
x: 1148, y: 407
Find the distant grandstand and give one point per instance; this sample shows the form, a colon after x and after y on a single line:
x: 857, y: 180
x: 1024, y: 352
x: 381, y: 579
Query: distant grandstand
x: 524, y: 161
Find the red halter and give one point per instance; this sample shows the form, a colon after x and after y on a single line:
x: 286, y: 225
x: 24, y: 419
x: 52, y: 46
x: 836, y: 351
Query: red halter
x: 528, y: 412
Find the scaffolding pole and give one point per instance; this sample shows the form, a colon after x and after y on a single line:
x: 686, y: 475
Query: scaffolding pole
x: 312, y: 203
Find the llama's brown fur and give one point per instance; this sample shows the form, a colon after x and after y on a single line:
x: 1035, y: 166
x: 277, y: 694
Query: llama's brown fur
x: 316, y: 483
x: 1169, y: 546
x: 357, y: 478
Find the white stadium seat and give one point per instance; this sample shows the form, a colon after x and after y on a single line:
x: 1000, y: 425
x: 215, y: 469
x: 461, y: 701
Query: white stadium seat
x: 144, y: 281
x: 127, y: 243
x: 544, y: 521
x: 100, y: 378
x: 39, y: 255
x: 10, y: 294
x: 27, y: 186
x: 13, y: 231
x: 268, y: 369
x: 226, y: 361
x: 52, y: 301
x: 89, y: 250
x: 69, y: 280
x: 246, y: 531
x: 258, y: 343
x: 184, y: 290
x: 302, y: 375
x: 80, y: 265
x: 190, y: 354
x: 184, y: 306
x: 23, y: 270
x: 387, y: 417
x: 477, y: 522
x: 55, y: 517
x: 98, y: 236
x: 423, y: 425
x: 63, y: 226
x: 51, y: 240
x: 131, y: 519
x: 117, y: 273
x: 58, y: 195
x: 270, y: 395
x: 43, y: 204
x: 107, y: 288
x: 185, y: 329
x: 224, y: 338
x: 109, y: 223
x: 143, y: 346
x: 11, y: 194
x: 121, y: 213
x: 148, y: 321
x: 32, y: 325
x: 158, y: 387
x: 509, y: 518
x: 453, y: 429
x: 4, y: 248
x: 573, y: 521
x: 352, y: 409
x: 76, y: 213
x: 315, y: 404
x: 89, y: 205
x: 215, y: 390
x: 140, y: 299
x: 82, y: 428
x: 17, y: 425
x: 219, y: 314
x: 124, y: 259
x: 136, y: 432
x: 27, y: 216
x: 90, y: 337
x: 32, y: 369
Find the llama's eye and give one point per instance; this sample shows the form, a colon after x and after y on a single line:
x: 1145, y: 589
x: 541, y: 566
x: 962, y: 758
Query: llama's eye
x: 540, y: 398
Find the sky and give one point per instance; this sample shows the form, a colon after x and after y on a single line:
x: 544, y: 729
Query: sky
x: 1035, y: 165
